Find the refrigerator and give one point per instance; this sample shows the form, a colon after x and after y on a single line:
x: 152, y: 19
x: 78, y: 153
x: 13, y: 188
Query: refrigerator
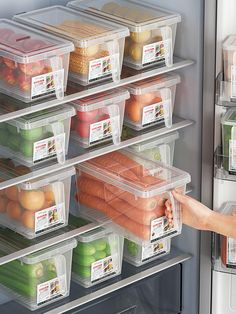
x: 185, y: 281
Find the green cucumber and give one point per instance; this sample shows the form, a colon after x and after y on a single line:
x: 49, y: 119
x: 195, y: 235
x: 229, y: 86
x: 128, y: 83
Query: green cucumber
x: 100, y: 255
x: 15, y: 274
x: 30, y: 270
x: 100, y: 245
x: 85, y: 249
x: 84, y: 260
x: 83, y: 272
x: 28, y: 290
x: 132, y: 247
x: 108, y: 250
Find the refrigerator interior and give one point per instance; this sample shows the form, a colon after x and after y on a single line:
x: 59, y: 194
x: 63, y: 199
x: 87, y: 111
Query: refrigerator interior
x: 189, y: 45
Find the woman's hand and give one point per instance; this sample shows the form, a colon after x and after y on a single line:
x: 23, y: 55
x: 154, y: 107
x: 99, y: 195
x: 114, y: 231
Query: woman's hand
x: 194, y: 213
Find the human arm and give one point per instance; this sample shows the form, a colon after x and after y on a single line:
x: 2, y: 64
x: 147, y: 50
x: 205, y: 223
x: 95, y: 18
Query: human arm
x: 200, y: 217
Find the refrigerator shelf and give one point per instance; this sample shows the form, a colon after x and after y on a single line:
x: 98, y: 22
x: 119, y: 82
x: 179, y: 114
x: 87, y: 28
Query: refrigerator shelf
x: 128, y: 76
x: 80, y: 296
x: 77, y: 154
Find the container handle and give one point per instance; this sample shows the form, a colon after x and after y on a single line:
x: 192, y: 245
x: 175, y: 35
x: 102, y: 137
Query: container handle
x: 59, y: 135
x: 113, y: 48
x: 166, y: 96
x: 56, y: 64
x: 164, y: 150
x: 114, y: 113
x: 166, y: 33
x: 59, y: 194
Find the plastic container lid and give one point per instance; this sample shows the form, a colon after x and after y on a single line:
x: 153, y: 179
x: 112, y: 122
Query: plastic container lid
x: 136, y: 15
x: 152, y: 84
x: 81, y: 28
x: 93, y: 235
x: 230, y: 117
x: 155, y: 142
x: 47, y: 179
x: 230, y: 43
x: 166, y: 177
x: 24, y: 45
x: 101, y: 100
x: 44, y: 117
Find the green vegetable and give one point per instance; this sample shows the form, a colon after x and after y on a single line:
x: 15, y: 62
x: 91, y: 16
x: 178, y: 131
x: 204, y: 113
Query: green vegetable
x: 29, y: 270
x: 27, y: 148
x: 108, y: 250
x: 50, y: 270
x: 28, y: 290
x: 12, y: 129
x: 100, y: 255
x: 83, y: 260
x: 13, y: 142
x: 4, y: 136
x: 84, y: 272
x: 132, y: 247
x: 100, y: 245
x: 32, y: 135
x: 85, y: 249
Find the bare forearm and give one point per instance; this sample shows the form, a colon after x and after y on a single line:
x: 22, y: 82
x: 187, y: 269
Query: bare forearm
x: 222, y: 224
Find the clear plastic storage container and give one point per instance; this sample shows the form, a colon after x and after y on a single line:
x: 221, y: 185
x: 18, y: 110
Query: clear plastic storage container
x: 99, y: 44
x: 151, y: 102
x: 152, y: 29
x: 37, y: 207
x: 97, y: 257
x: 228, y: 123
x: 139, y: 255
x: 99, y: 117
x: 37, y: 137
x: 157, y: 149
x: 41, y: 278
x: 131, y: 192
x: 33, y: 64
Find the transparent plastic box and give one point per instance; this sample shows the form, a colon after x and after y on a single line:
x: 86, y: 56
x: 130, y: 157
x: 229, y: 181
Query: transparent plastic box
x: 152, y: 29
x: 99, y: 44
x: 37, y: 137
x: 228, y: 124
x: 151, y: 102
x: 131, y: 192
x: 33, y: 64
x: 99, y: 117
x: 139, y: 255
x: 157, y: 149
x: 37, y: 207
x: 97, y: 257
x: 41, y: 278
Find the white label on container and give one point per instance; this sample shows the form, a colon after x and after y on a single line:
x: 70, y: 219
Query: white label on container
x: 232, y: 155
x: 49, y: 217
x: 99, y: 131
x: 233, y: 81
x: 160, y: 228
x: 154, y: 52
x: 46, y: 148
x: 231, y: 252
x: 104, y: 267
x: 153, y: 249
x: 153, y: 114
x: 102, y: 67
x: 46, y: 84
x: 51, y: 289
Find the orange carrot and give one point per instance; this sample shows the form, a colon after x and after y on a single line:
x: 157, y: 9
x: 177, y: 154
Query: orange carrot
x: 147, y: 204
x: 93, y: 202
x: 91, y: 187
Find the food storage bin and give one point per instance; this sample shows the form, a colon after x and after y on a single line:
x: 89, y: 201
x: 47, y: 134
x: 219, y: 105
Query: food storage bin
x: 37, y: 207
x: 33, y: 64
x: 152, y: 29
x: 99, y: 117
x: 132, y: 192
x: 40, y: 278
x: 37, y: 137
x: 228, y: 124
x: 139, y: 255
x: 151, y: 102
x: 157, y: 149
x: 99, y: 44
x: 97, y: 257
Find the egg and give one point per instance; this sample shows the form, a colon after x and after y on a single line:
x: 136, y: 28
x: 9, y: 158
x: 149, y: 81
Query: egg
x: 146, y: 98
x: 49, y: 197
x: 28, y: 219
x: 3, y: 204
x: 32, y: 200
x: 12, y: 193
x: 135, y: 52
x: 14, y: 210
x: 140, y: 37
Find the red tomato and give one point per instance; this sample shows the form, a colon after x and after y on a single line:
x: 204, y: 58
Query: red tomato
x: 87, y: 116
x: 83, y: 128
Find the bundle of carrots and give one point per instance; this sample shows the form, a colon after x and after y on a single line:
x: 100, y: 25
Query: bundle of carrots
x: 127, y: 210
